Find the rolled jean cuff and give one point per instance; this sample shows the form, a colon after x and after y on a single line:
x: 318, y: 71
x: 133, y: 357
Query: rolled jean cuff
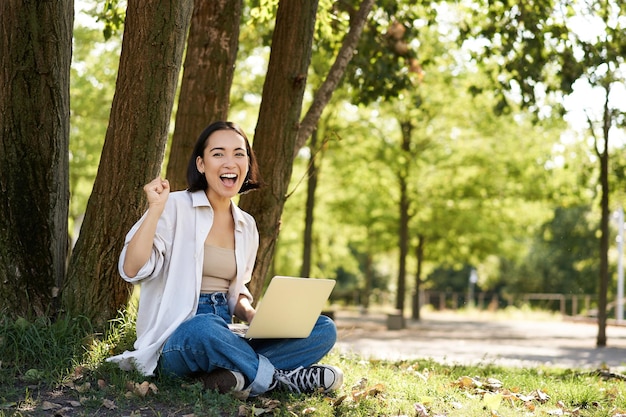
x: 263, y: 379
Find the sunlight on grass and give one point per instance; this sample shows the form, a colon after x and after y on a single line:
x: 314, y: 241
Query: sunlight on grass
x: 72, y: 373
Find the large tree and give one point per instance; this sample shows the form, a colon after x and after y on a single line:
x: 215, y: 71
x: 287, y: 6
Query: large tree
x: 35, y: 56
x: 277, y: 126
x: 152, y: 49
x: 279, y: 132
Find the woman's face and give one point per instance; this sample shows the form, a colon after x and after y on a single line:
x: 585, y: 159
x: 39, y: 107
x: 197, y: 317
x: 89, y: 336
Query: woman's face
x: 224, y: 163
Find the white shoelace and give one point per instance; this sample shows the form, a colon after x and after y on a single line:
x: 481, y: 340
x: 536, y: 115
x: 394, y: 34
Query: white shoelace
x: 309, y: 379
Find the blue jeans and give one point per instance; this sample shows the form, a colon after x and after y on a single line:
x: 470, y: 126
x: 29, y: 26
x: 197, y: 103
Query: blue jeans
x: 205, y: 343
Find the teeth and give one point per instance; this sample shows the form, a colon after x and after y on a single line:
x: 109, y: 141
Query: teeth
x: 229, y: 175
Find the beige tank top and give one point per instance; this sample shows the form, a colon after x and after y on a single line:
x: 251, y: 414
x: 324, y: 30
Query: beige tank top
x: 218, y: 270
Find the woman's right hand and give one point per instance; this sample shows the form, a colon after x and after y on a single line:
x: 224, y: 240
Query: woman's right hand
x: 157, y: 191
x: 140, y: 246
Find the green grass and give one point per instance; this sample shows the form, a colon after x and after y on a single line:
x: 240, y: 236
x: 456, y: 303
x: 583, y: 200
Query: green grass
x: 57, y: 368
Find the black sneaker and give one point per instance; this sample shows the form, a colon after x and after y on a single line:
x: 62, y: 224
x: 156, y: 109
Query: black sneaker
x: 223, y: 381
x: 316, y: 378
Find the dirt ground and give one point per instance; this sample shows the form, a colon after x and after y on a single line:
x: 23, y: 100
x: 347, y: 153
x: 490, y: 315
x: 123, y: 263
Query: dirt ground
x: 484, y: 338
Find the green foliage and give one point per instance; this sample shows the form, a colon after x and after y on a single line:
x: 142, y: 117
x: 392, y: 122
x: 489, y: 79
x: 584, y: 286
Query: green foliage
x: 543, y: 47
x: 42, y: 348
x: 388, y: 61
x: 112, y: 16
x: 563, y: 257
x: 93, y: 75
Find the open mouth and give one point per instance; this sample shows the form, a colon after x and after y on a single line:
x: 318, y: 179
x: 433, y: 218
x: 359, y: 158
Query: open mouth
x: 229, y: 179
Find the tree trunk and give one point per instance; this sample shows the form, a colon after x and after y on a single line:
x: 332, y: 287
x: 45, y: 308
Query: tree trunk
x: 369, y: 278
x: 35, y: 56
x: 152, y: 48
x: 603, y: 279
x: 307, y: 246
x: 403, y: 232
x: 278, y: 124
x: 419, y: 255
x: 207, y: 79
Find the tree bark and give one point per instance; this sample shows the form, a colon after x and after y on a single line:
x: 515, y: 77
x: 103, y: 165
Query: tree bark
x: 152, y: 48
x: 35, y: 57
x: 278, y: 124
x: 207, y: 79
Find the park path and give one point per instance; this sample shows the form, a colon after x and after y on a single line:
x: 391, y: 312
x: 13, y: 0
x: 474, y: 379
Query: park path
x: 483, y: 338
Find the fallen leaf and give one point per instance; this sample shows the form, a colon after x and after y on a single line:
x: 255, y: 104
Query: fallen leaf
x: 360, y: 385
x: 421, y: 410
x: 494, y: 384
x: 47, y: 406
x: 142, y: 389
x: 270, y: 403
x: 376, y: 389
x: 466, y: 382
x: 541, y: 396
x: 492, y: 401
x: 33, y: 375
x: 75, y: 403
x: 338, y: 401
x: 109, y: 404
x: 79, y: 371
x: 368, y: 392
x: 83, y: 387
x: 309, y: 410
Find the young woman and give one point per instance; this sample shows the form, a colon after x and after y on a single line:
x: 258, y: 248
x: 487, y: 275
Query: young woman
x: 193, y: 252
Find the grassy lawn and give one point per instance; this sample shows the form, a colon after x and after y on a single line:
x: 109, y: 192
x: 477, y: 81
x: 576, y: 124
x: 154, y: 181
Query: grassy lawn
x: 58, y: 369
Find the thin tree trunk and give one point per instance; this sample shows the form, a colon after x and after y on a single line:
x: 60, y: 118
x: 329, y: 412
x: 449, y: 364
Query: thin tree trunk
x: 35, y: 57
x: 604, y: 224
x: 367, y: 289
x: 404, y: 205
x: 277, y: 127
x: 419, y: 256
x: 207, y: 79
x: 152, y: 48
x: 307, y: 246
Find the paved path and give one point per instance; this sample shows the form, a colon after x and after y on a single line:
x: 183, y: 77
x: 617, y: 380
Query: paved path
x: 481, y: 338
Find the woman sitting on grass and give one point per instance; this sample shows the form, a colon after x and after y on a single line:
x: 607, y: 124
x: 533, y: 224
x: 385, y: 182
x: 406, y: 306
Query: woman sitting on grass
x: 193, y: 252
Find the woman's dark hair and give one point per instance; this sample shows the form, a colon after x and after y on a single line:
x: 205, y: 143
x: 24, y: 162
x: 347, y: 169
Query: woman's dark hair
x: 197, y: 181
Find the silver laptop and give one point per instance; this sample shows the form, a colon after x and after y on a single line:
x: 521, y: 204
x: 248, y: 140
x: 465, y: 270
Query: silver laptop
x: 289, y: 309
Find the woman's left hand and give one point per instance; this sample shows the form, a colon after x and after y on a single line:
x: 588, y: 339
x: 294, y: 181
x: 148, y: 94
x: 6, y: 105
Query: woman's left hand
x: 244, y: 310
